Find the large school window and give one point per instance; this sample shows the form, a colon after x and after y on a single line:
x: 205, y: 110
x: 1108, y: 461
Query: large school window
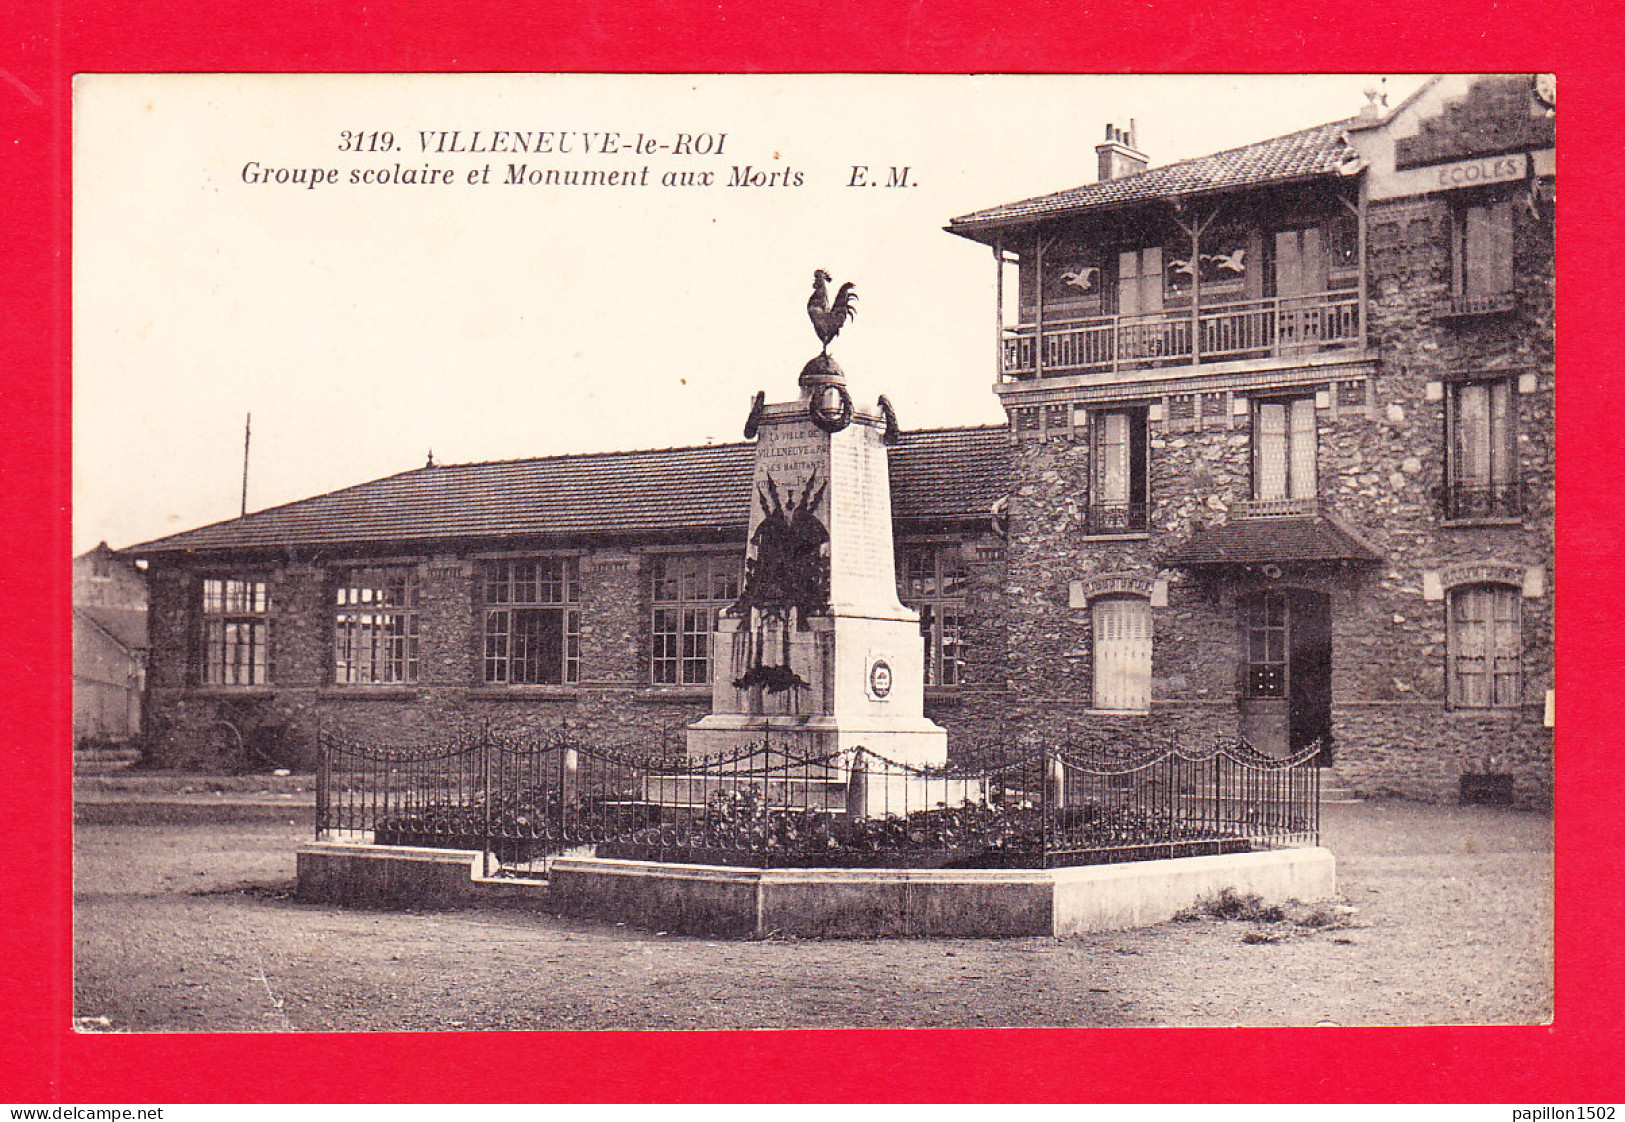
x: 687, y: 593
x: 932, y: 582
x: 236, y: 632
x: 532, y: 622
x: 375, y: 627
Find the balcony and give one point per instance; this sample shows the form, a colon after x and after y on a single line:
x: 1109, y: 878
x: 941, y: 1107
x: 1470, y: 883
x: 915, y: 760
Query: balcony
x: 1461, y: 305
x: 1275, y: 327
x: 1104, y: 519
x: 1470, y: 501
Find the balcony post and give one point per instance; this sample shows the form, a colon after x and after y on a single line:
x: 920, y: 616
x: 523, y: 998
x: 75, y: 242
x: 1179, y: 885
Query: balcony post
x: 1038, y: 304
x: 1196, y: 294
x: 1359, y: 251
x: 998, y: 309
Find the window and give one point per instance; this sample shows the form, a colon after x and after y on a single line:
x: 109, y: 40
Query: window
x: 375, y: 627
x: 1481, y: 447
x: 1486, y: 643
x: 1263, y: 621
x: 1122, y: 631
x: 1139, y: 281
x: 1481, y: 258
x: 1117, y: 499
x: 687, y: 593
x: 1301, y: 266
x: 933, y: 583
x: 1343, y: 252
x: 236, y: 632
x: 1284, y: 450
x: 532, y: 625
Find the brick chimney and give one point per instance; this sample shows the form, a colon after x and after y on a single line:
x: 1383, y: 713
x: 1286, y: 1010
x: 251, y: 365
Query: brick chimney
x: 1121, y: 154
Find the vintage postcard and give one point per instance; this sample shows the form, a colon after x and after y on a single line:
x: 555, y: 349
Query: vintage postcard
x: 812, y: 551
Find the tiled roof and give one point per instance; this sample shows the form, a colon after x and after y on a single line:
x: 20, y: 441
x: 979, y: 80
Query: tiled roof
x: 1307, y: 154
x: 127, y: 626
x: 937, y: 474
x: 1263, y: 541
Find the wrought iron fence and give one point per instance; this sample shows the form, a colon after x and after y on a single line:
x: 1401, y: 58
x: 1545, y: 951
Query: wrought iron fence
x: 523, y: 800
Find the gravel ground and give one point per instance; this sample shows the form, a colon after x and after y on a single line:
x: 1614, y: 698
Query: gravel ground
x: 1446, y: 918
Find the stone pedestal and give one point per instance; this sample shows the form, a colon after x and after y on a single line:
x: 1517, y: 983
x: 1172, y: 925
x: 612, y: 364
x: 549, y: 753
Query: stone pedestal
x: 857, y: 665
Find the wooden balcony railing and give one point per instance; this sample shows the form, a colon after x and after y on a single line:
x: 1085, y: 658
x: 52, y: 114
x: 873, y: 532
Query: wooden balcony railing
x: 1269, y: 328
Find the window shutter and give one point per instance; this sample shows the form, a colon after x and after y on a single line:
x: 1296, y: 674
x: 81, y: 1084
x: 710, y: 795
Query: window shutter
x: 1122, y: 653
x: 1470, y: 626
x: 1488, y: 266
x: 1305, y: 483
x: 1128, y: 282
x: 1508, y: 641
x: 1270, y: 467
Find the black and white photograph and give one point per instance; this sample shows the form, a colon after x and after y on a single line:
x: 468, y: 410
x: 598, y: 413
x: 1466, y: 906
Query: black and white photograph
x: 812, y: 551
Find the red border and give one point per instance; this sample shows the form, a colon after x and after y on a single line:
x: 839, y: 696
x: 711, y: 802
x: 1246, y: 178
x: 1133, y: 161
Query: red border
x: 1575, y: 1060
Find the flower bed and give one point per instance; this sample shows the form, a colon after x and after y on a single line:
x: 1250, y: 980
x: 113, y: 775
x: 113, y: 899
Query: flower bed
x: 736, y: 829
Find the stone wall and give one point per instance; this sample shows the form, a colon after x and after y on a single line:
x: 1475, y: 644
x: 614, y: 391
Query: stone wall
x: 1381, y: 461
x: 612, y: 703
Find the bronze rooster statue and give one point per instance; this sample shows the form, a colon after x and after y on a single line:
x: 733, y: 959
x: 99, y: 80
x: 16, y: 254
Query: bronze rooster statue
x: 827, y: 319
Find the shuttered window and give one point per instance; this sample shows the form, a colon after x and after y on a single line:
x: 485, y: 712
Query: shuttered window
x: 1122, y: 628
x: 1481, y: 451
x: 1486, y: 644
x: 1482, y: 266
x: 1285, y: 450
x: 1139, y: 281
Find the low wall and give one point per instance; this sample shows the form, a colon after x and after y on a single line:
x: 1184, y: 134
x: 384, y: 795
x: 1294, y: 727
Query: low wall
x: 818, y: 903
x: 383, y: 876
x: 1140, y: 893
x: 889, y: 903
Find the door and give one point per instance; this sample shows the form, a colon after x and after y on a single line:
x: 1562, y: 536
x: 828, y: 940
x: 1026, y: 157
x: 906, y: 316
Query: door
x: 1286, y: 656
x: 1309, y: 672
x: 1139, y: 295
x: 1300, y: 281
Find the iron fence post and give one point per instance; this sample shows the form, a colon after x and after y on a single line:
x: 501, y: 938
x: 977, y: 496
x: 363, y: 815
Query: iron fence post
x: 323, y: 774
x: 1043, y: 807
x: 485, y: 783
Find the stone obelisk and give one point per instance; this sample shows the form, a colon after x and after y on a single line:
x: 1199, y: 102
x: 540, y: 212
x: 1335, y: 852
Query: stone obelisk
x: 819, y: 651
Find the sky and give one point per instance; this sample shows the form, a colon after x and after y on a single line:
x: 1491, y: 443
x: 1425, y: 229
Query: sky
x: 365, y: 324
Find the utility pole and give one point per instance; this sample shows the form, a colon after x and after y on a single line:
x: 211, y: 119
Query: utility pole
x: 247, y: 431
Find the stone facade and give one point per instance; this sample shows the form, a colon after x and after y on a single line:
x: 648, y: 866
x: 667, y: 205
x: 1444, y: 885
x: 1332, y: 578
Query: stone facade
x: 615, y: 700
x: 1372, y: 579
x: 1381, y: 445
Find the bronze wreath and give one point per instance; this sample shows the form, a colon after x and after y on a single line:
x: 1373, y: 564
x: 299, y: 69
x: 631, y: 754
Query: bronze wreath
x: 822, y: 418
x: 753, y: 422
x: 893, y: 433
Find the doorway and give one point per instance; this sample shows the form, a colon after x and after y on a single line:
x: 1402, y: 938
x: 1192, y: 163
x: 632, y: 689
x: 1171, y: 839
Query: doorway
x: 1286, y: 657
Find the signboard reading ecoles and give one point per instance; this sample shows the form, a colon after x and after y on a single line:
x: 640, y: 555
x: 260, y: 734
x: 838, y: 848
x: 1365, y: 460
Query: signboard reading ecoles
x: 1463, y: 173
